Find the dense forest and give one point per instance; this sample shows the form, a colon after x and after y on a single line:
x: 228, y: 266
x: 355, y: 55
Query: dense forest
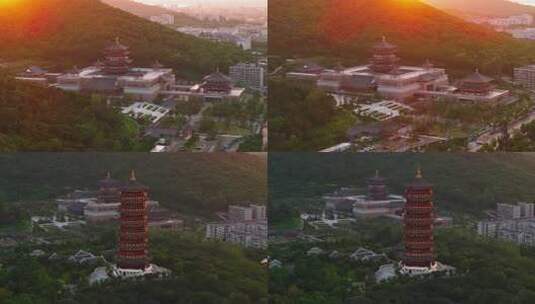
x: 464, y: 183
x: 203, y: 272
x: 64, y: 33
x: 304, y: 119
x: 488, y: 271
x: 34, y: 118
x: 345, y: 30
x: 198, y: 184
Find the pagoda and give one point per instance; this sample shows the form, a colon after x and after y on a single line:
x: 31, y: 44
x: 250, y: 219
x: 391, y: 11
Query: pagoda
x: 216, y: 82
x: 116, y: 59
x: 418, y: 227
x: 384, y: 59
x: 109, y: 190
x: 377, y: 190
x: 477, y: 84
x: 133, y: 234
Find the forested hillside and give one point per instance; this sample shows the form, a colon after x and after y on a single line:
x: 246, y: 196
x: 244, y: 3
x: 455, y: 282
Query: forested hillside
x: 193, y: 183
x: 464, y: 183
x: 64, y: 33
x: 345, y: 30
x: 34, y: 118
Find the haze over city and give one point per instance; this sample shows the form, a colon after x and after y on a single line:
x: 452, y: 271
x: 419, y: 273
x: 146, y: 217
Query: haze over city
x: 262, y: 3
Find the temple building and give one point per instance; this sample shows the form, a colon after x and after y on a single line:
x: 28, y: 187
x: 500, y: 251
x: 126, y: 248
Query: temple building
x: 478, y: 87
x: 377, y: 202
x: 214, y: 87
x: 108, y: 202
x: 115, y: 76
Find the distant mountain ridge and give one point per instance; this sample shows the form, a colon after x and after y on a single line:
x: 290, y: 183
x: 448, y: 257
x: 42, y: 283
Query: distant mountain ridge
x: 347, y: 29
x: 501, y: 8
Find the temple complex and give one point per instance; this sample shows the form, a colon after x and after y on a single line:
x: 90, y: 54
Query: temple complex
x: 384, y: 75
x: 115, y: 76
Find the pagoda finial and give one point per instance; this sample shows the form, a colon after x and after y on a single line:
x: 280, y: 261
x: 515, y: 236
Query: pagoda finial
x: 117, y: 40
x: 108, y: 175
x: 384, y: 38
x: 376, y: 173
x: 133, y: 175
x: 419, y: 172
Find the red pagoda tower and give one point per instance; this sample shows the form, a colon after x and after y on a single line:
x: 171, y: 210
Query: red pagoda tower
x: 133, y: 235
x: 384, y: 59
x: 418, y: 225
x: 117, y: 60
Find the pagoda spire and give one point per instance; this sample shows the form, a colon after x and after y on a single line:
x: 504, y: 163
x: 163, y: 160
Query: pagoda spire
x: 419, y: 172
x: 133, y: 175
x: 108, y: 175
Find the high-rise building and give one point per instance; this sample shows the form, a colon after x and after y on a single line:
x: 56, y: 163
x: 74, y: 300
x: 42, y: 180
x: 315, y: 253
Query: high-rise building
x: 134, y: 233
x: 419, y: 256
x: 248, y: 75
x: 525, y: 76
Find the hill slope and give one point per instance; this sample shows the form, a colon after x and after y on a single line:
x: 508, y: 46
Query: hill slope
x: 195, y: 183
x: 484, y: 7
x: 69, y: 33
x: 348, y: 28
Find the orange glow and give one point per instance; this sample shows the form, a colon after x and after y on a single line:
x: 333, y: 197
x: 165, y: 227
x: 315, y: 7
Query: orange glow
x: 5, y: 3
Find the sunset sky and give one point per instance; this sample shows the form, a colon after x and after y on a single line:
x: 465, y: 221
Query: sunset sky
x: 209, y: 2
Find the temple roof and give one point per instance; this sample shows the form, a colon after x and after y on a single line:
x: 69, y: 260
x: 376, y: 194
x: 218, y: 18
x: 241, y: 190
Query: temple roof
x: 477, y: 77
x: 217, y: 77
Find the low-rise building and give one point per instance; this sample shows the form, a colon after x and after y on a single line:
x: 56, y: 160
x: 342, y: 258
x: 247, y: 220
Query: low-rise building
x: 245, y: 226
